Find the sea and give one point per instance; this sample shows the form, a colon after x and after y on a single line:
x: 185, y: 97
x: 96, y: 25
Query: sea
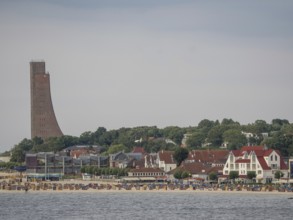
x: 144, y: 205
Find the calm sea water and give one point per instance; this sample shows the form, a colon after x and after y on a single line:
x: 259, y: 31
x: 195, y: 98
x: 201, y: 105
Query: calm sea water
x: 127, y: 205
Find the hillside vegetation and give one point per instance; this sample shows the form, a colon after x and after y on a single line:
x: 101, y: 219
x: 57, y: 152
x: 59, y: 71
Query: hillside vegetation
x: 212, y: 134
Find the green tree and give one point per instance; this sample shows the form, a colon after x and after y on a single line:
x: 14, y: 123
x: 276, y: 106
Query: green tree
x: 279, y: 174
x: 86, y: 138
x: 233, y: 175
x: 215, y: 136
x: 19, y: 150
x: 178, y: 174
x: 116, y: 148
x: 174, y: 133
x: 180, y: 155
x: 251, y: 175
x: 185, y: 174
x: 196, y: 140
x: 213, y: 176
x: 234, y: 138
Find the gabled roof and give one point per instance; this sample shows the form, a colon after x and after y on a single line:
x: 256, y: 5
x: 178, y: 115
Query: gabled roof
x: 263, y: 163
x: 252, y: 148
x: 237, y: 153
x: 193, y: 168
x: 283, y: 166
x: 268, y: 152
x: 208, y: 156
x: 167, y: 157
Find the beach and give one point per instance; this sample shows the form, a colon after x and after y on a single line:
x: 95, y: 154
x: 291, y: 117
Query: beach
x: 16, y: 184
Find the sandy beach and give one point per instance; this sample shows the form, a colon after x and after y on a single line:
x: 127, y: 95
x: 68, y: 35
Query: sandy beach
x: 12, y: 183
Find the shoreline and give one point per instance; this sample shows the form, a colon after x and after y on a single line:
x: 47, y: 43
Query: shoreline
x: 197, y: 191
x: 100, y: 186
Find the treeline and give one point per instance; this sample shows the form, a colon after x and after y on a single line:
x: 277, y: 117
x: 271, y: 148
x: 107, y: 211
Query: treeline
x: 213, y: 134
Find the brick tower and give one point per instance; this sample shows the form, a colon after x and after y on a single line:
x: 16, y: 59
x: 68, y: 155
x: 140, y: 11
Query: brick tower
x: 43, y: 120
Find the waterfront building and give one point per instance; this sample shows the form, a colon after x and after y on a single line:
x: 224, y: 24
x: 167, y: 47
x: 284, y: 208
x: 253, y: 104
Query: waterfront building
x: 50, y: 163
x: 264, y: 162
x: 166, y: 161
x: 213, y: 158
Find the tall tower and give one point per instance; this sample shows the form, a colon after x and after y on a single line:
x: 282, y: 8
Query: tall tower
x: 43, y: 120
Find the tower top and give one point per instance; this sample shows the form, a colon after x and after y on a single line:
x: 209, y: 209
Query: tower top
x: 38, y: 67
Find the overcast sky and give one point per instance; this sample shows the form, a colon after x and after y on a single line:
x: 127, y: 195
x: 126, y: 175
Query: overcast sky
x: 116, y: 63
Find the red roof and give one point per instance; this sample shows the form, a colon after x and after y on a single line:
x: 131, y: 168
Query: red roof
x: 138, y: 150
x: 252, y: 148
x: 208, y: 156
x: 283, y: 166
x: 193, y: 168
x: 242, y: 161
x: 268, y: 152
x: 263, y: 163
x: 167, y: 157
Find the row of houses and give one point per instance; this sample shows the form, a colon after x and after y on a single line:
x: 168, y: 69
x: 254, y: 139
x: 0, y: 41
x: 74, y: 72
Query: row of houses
x: 199, y: 164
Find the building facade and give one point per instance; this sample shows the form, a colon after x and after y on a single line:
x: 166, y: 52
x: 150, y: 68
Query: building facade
x: 43, y: 120
x: 264, y: 162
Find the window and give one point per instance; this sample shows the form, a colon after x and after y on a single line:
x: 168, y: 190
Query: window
x: 272, y: 158
x: 259, y: 172
x: 231, y: 158
x: 276, y: 158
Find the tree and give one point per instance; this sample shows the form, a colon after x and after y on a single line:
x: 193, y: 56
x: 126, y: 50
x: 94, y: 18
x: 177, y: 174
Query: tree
x: 19, y: 150
x: 195, y: 140
x: 185, y: 174
x: 215, y: 136
x: 213, y: 176
x: 251, y: 175
x: 86, y: 138
x: 116, y: 148
x: 279, y: 174
x: 234, y: 138
x: 178, y: 174
x: 233, y: 175
x: 180, y: 155
x: 181, y: 174
x: 174, y: 133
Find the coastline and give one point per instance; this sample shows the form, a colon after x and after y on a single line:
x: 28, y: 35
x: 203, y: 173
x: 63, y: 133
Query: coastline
x: 10, y: 185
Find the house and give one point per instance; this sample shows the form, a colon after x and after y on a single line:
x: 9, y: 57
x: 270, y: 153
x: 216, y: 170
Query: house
x: 51, y: 163
x: 264, y: 162
x: 197, y: 170
x: 150, y: 160
x: 123, y: 160
x: 166, y: 161
x: 214, y: 158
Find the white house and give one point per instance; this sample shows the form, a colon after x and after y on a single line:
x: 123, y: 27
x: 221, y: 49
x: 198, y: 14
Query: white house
x: 166, y: 161
x: 258, y: 159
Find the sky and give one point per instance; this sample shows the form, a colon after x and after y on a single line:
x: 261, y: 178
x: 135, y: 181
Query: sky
x: 128, y: 63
